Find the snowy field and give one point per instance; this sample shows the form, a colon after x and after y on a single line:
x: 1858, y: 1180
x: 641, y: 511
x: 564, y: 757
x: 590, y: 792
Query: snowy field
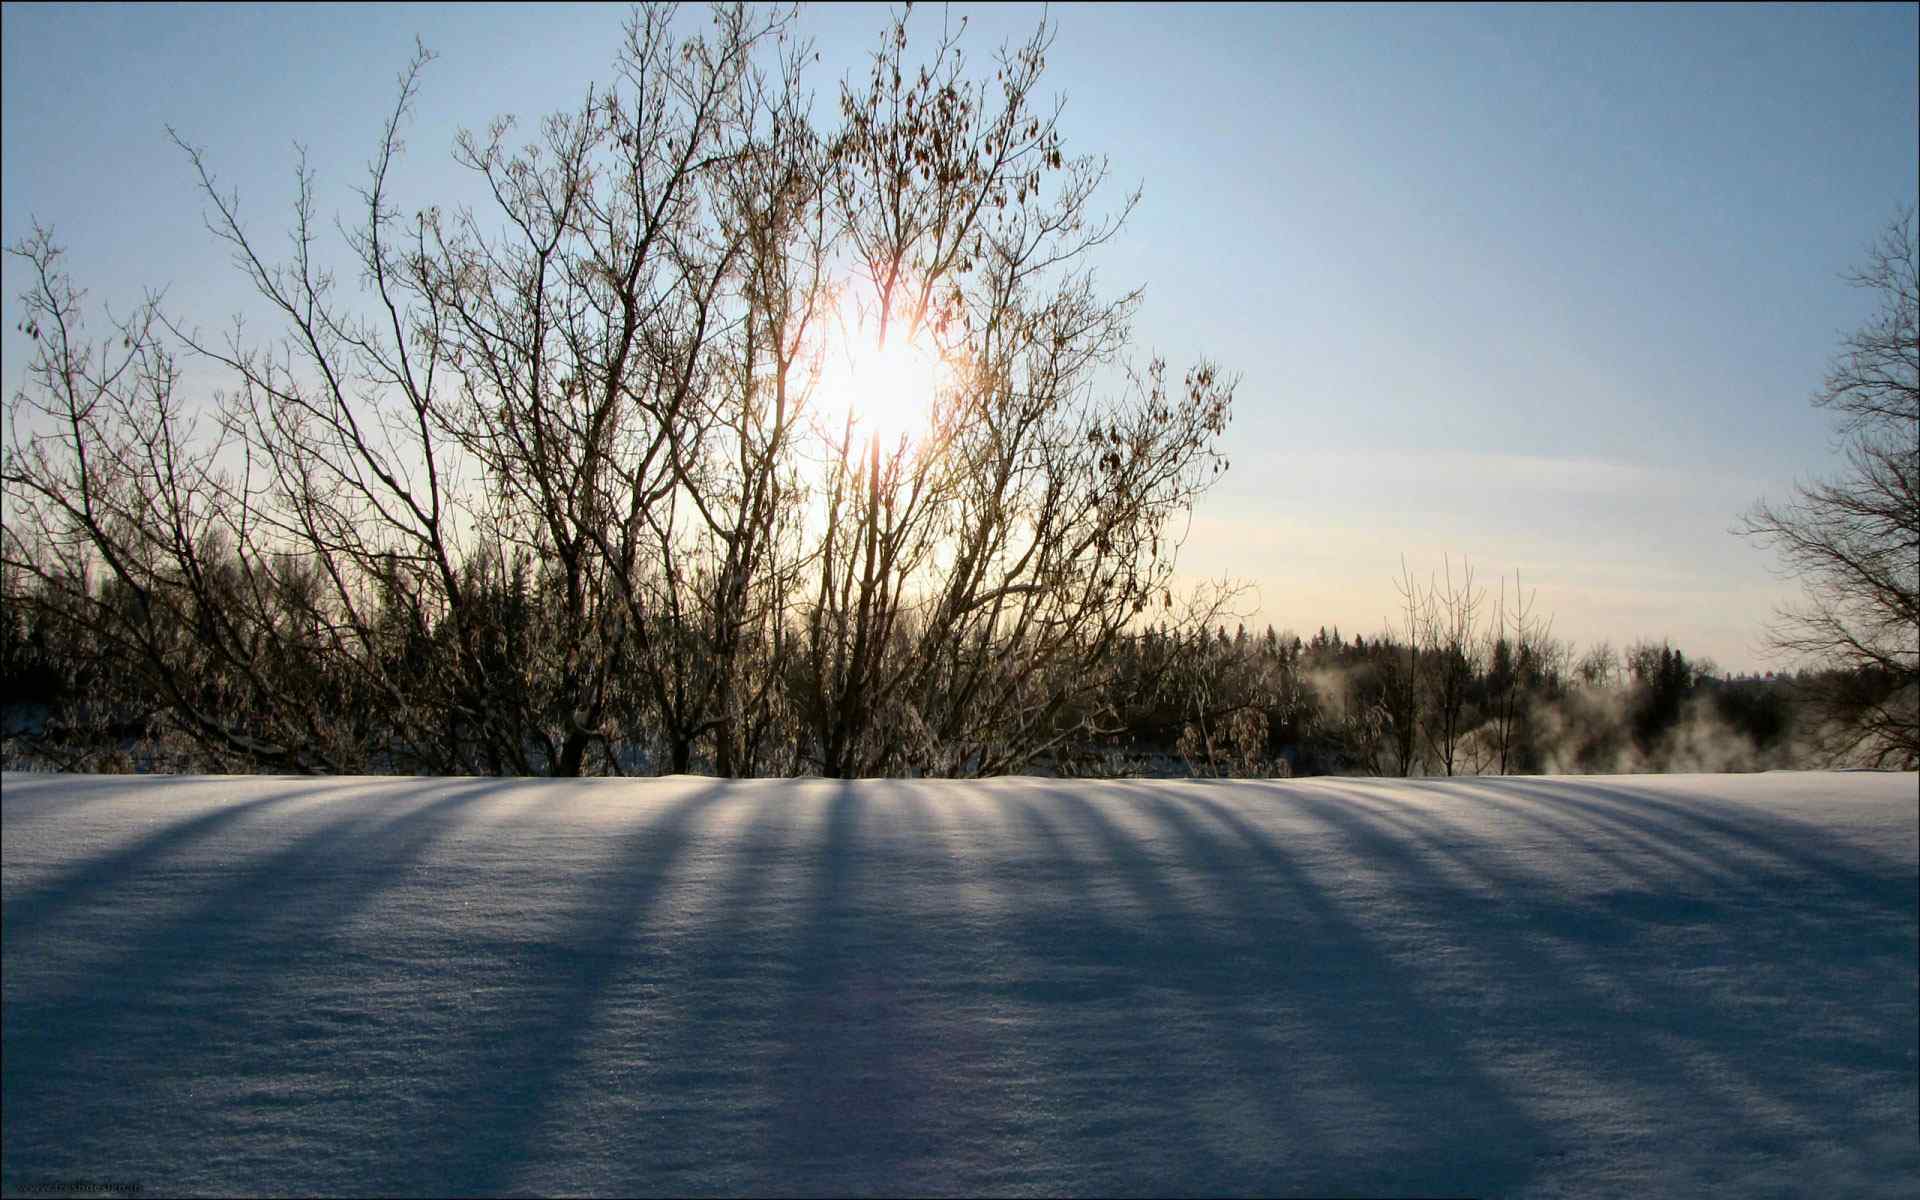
x: 1525, y: 987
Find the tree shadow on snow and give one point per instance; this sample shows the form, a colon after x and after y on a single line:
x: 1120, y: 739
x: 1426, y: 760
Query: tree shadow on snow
x: 206, y: 985
x: 815, y: 987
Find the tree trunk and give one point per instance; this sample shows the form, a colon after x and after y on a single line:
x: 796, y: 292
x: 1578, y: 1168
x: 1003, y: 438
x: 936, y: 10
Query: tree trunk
x: 572, y: 753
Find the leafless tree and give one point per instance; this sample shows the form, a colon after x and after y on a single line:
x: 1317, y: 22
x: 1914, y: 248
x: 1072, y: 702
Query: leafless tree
x: 1600, y: 666
x: 1397, y: 716
x: 1854, y: 540
x: 554, y: 482
x: 1450, y: 642
x: 519, y: 388
x: 122, y: 523
x: 971, y: 584
x: 1516, y: 651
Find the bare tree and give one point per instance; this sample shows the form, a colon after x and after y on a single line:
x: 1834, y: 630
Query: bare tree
x: 121, y: 520
x: 1398, y: 712
x: 554, y: 484
x: 1450, y: 640
x: 1854, y: 540
x: 514, y: 389
x: 972, y: 584
x: 1516, y: 652
x: 1600, y: 666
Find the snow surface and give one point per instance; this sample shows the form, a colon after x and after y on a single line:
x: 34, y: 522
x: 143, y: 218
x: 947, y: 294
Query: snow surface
x: 1534, y: 987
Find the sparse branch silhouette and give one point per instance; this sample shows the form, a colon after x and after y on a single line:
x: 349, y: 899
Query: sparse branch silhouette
x: 1853, y: 540
x: 561, y: 489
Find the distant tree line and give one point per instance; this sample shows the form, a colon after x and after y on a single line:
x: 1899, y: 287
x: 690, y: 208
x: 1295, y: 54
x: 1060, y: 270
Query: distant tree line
x: 1273, y: 704
x: 1168, y: 697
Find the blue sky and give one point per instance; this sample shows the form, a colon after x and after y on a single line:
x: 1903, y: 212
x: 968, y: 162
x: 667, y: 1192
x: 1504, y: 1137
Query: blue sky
x: 1546, y: 288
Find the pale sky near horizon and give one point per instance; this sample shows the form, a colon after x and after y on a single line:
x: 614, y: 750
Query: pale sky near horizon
x: 1546, y: 288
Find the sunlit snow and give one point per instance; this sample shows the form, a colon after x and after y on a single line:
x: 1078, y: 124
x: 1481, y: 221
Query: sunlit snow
x: 1569, y: 986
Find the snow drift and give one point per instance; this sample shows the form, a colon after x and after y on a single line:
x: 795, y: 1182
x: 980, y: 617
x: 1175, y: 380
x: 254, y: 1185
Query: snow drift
x: 687, y: 986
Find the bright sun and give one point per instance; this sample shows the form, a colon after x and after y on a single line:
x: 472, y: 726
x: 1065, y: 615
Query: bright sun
x: 887, y: 391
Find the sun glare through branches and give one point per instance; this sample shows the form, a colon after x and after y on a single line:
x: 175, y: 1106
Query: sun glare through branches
x: 878, y: 384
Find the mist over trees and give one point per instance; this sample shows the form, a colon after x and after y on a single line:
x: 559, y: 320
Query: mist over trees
x: 1442, y: 693
x: 1853, y: 540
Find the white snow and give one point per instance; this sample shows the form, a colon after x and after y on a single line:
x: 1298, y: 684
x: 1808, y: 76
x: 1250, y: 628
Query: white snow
x: 1527, y: 987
